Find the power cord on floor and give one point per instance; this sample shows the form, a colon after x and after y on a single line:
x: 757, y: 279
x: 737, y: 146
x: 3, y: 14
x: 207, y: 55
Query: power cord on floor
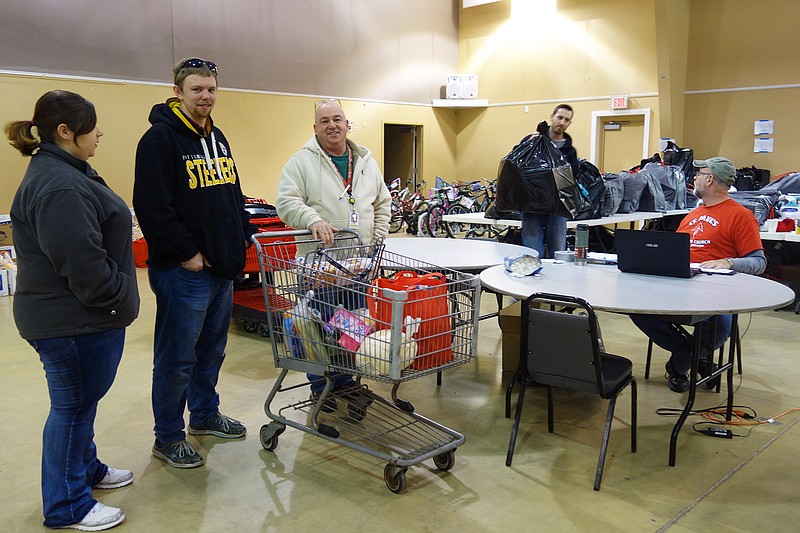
x: 741, y: 416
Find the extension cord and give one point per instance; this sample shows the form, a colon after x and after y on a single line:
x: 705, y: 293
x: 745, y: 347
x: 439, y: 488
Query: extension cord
x: 720, y: 433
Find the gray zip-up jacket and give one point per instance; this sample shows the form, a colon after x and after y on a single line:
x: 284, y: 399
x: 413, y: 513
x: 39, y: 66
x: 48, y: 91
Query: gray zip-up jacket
x: 72, y: 236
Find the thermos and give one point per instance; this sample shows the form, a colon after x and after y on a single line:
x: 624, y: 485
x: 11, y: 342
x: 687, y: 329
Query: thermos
x: 581, y: 244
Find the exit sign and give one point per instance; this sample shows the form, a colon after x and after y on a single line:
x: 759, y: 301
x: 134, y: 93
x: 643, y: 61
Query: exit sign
x: 619, y: 102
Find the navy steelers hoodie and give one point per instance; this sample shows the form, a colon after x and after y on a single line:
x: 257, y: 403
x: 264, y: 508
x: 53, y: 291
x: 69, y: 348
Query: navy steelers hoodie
x: 187, y: 194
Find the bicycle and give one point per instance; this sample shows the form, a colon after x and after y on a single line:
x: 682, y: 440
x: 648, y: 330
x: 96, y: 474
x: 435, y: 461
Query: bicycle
x: 407, y: 209
x: 476, y: 198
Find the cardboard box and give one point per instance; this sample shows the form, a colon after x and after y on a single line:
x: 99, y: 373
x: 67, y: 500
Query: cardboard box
x: 509, y: 326
x: 6, y: 235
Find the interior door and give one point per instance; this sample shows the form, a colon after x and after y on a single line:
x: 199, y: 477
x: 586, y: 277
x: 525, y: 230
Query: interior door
x: 620, y: 142
x: 401, y: 153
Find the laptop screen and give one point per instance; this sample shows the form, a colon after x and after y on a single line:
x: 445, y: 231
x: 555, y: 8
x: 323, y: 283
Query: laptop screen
x: 660, y: 253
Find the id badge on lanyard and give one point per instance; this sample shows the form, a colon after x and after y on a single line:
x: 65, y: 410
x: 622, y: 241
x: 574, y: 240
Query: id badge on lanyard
x: 353, y: 220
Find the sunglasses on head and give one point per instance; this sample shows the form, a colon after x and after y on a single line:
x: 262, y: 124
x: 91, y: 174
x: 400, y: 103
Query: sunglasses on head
x: 327, y: 101
x: 196, y: 62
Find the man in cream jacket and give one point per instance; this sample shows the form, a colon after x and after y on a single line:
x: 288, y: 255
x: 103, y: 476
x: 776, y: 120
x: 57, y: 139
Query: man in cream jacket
x: 333, y: 183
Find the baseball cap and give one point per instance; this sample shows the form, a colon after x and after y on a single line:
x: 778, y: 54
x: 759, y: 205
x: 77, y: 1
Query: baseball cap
x: 722, y: 167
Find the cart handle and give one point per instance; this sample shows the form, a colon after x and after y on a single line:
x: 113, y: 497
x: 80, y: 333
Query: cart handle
x: 299, y: 233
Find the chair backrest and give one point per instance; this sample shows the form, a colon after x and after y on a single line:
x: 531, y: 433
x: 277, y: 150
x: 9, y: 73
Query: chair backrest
x: 561, y: 348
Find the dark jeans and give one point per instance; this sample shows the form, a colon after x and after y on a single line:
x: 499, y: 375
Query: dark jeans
x: 544, y: 233
x: 79, y: 372
x: 192, y: 318
x: 665, y: 336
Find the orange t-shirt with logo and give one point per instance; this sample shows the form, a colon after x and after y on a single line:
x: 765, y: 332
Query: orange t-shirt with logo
x: 727, y: 229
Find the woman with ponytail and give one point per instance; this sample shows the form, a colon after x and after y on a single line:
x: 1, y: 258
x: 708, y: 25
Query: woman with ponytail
x: 76, y: 293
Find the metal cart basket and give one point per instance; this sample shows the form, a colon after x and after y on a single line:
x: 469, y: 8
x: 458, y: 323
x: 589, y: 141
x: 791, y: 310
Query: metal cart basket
x: 351, y: 308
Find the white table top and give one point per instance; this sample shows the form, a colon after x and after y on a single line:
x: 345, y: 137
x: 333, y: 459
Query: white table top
x: 608, y: 289
x: 619, y: 218
x: 791, y: 237
x: 458, y: 254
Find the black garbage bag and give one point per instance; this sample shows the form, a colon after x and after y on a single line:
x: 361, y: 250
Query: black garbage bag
x: 680, y: 157
x: 536, y: 178
x: 494, y: 213
x: 592, y: 180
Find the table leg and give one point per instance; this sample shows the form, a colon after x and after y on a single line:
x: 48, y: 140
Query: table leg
x: 673, y: 441
x: 735, y: 350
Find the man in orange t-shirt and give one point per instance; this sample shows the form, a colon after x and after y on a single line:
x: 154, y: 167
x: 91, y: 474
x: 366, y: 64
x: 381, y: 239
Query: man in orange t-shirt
x: 723, y: 234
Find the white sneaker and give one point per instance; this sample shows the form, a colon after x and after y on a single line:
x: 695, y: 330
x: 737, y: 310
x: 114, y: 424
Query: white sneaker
x: 99, y: 518
x: 115, y: 479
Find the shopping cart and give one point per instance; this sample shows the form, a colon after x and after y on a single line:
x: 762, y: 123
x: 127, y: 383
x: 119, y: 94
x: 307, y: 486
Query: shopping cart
x: 334, y: 315
x: 248, y: 302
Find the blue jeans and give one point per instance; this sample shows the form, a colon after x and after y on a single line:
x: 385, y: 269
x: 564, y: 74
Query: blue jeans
x: 193, y: 314
x: 79, y: 372
x: 544, y: 233
x: 665, y: 336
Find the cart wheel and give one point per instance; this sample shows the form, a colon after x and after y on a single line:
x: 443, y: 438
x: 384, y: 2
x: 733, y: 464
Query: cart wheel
x: 263, y: 330
x: 395, y: 478
x: 445, y: 461
x: 269, y: 435
x: 249, y: 327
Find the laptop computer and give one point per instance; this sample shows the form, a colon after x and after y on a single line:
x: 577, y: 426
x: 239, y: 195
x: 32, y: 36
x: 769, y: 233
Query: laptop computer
x: 660, y: 253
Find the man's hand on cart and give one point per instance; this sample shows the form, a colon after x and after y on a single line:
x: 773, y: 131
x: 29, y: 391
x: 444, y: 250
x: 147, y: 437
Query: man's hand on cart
x: 196, y: 263
x: 323, y: 231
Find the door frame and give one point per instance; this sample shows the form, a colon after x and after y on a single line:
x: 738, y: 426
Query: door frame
x: 416, y: 148
x: 597, y: 123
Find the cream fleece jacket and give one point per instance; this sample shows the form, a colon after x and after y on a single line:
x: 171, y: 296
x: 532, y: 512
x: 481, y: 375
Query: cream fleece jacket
x: 311, y: 190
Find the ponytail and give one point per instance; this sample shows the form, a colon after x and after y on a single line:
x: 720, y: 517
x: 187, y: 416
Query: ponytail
x: 20, y: 135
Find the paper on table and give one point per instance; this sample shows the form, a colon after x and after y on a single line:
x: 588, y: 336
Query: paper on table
x: 712, y: 270
x: 602, y: 258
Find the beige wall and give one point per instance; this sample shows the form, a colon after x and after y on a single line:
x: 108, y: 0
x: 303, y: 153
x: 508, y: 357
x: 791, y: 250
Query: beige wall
x: 582, y: 51
x: 264, y: 130
x: 735, y: 44
x: 578, y: 52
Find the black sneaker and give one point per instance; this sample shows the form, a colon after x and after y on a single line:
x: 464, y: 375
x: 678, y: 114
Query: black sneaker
x: 676, y: 381
x: 705, y: 368
x: 328, y: 406
x: 220, y: 425
x: 179, y: 454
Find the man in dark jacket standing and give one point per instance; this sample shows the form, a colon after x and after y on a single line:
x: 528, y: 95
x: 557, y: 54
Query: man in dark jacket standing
x: 548, y: 233
x: 189, y: 203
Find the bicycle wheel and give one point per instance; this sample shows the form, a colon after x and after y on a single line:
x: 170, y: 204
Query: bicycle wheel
x: 435, y: 222
x: 396, y: 222
x: 457, y: 230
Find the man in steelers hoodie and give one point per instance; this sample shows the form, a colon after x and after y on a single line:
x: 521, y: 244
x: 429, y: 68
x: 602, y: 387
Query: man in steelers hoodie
x: 189, y: 204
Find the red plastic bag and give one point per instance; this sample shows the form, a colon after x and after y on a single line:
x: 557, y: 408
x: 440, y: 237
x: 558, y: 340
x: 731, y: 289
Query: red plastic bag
x: 427, y: 300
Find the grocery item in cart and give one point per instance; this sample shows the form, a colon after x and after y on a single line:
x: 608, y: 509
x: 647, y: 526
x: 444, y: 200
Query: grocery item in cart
x: 353, y: 329
x: 374, y: 355
x: 306, y: 321
x: 428, y: 301
x: 324, y: 270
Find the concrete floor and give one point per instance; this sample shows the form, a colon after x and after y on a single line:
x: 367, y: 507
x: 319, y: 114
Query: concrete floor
x: 308, y: 484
